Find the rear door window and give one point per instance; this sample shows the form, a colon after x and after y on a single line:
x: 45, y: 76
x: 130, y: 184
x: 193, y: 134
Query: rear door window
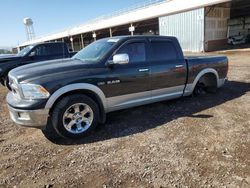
x: 163, y: 51
x: 55, y: 49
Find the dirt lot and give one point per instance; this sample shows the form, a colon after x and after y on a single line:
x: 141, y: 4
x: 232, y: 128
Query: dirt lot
x: 190, y: 142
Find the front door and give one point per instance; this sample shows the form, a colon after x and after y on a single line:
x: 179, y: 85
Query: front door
x: 128, y: 85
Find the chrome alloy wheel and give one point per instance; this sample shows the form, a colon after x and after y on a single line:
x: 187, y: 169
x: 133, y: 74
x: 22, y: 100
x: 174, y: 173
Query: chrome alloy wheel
x: 78, y: 118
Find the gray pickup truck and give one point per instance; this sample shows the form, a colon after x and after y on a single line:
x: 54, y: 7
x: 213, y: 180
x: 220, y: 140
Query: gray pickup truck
x: 71, y: 97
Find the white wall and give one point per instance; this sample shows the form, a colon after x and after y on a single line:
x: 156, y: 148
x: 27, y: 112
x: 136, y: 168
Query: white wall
x: 188, y: 27
x: 216, y: 20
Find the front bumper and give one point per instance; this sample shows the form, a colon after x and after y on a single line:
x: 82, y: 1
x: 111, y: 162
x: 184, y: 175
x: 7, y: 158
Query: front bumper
x: 29, y: 118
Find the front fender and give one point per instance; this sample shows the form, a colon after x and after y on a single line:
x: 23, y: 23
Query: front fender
x: 72, y: 87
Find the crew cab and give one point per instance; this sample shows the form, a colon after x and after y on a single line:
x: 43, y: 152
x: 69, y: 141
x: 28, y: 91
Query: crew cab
x: 71, y: 97
x: 32, y: 54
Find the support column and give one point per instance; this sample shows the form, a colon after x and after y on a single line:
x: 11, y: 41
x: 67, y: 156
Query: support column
x: 94, y: 36
x: 131, y: 29
x: 82, y: 41
x: 110, y: 32
x: 72, y: 43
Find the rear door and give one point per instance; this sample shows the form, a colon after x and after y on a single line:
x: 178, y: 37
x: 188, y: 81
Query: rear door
x: 167, y: 70
x: 128, y: 84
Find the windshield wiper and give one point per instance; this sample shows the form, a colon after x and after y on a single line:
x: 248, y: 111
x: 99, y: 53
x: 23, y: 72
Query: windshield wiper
x: 75, y: 58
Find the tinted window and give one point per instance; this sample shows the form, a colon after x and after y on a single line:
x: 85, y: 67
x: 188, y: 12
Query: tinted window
x: 55, y: 49
x: 163, y: 51
x: 41, y: 51
x: 136, y: 52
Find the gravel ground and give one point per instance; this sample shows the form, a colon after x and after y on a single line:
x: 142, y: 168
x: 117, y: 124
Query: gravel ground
x: 190, y: 142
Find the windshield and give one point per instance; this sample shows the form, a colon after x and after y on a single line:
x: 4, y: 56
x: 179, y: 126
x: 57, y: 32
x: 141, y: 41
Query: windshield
x: 24, y: 51
x: 96, y: 50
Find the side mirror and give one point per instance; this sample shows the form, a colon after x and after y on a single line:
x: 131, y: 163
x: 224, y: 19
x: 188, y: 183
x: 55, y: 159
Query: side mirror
x: 32, y: 54
x: 119, y: 59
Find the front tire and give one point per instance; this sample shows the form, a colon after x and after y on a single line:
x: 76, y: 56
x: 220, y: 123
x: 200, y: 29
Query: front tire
x: 75, y: 116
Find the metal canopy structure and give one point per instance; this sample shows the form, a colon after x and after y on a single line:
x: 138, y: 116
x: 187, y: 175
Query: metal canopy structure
x: 147, y: 11
x: 240, y: 8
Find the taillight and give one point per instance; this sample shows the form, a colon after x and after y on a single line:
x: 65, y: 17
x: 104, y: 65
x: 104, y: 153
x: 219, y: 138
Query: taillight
x: 227, y: 67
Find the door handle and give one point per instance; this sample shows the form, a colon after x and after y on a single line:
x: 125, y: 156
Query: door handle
x: 179, y: 66
x: 143, y: 70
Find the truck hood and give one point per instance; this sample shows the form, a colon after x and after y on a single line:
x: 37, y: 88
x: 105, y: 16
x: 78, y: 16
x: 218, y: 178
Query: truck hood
x: 7, y: 58
x: 48, y: 69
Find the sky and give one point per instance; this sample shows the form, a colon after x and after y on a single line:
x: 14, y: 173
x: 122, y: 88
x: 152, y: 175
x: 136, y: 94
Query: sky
x: 51, y: 15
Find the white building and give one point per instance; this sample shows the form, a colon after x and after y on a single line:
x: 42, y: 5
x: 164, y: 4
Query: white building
x: 200, y: 25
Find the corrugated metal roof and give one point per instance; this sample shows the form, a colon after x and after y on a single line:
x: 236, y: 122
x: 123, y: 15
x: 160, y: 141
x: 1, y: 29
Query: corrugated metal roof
x: 154, y: 10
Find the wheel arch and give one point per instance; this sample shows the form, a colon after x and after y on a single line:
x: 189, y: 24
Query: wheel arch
x: 190, y: 87
x: 88, y: 89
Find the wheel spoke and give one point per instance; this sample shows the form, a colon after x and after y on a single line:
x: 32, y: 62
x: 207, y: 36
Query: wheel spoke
x: 77, y: 108
x: 85, y: 111
x: 69, y: 115
x: 70, y: 124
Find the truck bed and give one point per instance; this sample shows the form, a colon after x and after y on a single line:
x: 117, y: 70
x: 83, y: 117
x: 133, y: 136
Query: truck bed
x: 196, y: 64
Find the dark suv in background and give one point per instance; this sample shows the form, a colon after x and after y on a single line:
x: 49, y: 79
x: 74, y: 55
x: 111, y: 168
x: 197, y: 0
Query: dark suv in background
x: 32, y: 54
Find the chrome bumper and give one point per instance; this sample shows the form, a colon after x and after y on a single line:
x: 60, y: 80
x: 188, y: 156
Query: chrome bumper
x: 29, y: 118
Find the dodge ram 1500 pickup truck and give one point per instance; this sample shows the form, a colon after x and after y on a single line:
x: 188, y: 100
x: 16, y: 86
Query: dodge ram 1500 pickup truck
x: 32, y: 54
x: 72, y: 96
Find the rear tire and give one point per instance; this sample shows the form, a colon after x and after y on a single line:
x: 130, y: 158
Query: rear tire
x: 206, y: 84
x: 199, y: 89
x: 211, y: 89
x: 75, y: 116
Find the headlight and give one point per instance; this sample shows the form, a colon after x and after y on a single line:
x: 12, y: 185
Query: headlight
x: 33, y: 91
